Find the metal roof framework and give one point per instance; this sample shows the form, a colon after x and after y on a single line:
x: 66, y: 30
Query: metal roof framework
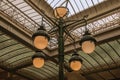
x: 16, y: 56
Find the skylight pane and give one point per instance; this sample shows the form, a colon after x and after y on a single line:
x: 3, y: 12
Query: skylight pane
x: 70, y: 9
x: 100, y: 25
x: 33, y: 14
x: 100, y: 22
x: 74, y: 6
x: 21, y: 5
x: 84, y: 4
x: 49, y: 1
x: 95, y: 1
x: 22, y: 13
x: 89, y: 3
x: 38, y: 18
x: 80, y: 5
x: 54, y: 2
x: 24, y: 9
x: 16, y: 1
x: 101, y: 0
x: 58, y: 3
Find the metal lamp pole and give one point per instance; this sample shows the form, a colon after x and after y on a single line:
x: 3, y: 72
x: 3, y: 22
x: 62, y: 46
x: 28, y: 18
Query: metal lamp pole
x: 59, y: 12
x: 61, y: 49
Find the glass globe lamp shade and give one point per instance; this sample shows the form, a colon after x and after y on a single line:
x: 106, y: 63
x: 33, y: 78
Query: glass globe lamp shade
x: 38, y: 59
x: 40, y: 38
x: 40, y: 42
x: 75, y: 62
x: 60, y: 12
x: 38, y: 62
x: 87, y: 43
x: 88, y: 46
x: 75, y: 65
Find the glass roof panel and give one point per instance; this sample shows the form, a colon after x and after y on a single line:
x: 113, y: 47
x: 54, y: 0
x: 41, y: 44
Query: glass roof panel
x: 27, y: 9
x: 26, y: 15
x: 94, y: 27
x: 74, y: 6
x: 100, y: 25
x: 23, y: 13
x: 16, y: 1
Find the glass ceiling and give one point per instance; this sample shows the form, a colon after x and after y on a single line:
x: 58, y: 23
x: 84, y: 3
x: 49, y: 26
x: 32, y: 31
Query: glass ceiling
x: 23, y: 13
x: 30, y: 19
x: 100, y: 25
x: 74, y: 6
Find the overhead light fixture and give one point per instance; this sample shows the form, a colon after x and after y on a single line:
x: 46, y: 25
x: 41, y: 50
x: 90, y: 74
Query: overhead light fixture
x: 41, y: 38
x: 38, y: 59
x: 60, y: 12
x: 75, y: 62
x: 87, y: 43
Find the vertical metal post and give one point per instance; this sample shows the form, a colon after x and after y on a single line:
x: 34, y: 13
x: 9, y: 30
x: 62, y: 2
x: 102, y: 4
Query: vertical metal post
x: 61, y: 49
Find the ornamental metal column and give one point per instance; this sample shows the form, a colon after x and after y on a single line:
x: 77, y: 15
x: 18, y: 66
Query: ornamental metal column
x: 61, y: 49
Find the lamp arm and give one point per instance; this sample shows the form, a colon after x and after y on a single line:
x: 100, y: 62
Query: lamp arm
x: 52, y: 21
x: 68, y: 33
x: 52, y: 30
x: 74, y: 23
x: 49, y: 18
x: 86, y: 29
x: 56, y: 27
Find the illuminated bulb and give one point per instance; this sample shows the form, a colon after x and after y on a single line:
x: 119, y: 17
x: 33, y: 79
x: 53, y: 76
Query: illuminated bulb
x: 38, y: 62
x: 60, y: 12
x: 88, y: 46
x: 75, y: 62
x: 75, y: 65
x: 40, y: 42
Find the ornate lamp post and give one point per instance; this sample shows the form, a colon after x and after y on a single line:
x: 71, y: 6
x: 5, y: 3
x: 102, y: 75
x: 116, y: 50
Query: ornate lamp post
x: 41, y: 38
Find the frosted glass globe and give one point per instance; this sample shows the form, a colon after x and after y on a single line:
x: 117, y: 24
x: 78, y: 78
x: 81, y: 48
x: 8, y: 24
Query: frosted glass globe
x: 60, y: 12
x: 75, y: 65
x: 38, y: 62
x: 40, y: 42
x: 88, y: 46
